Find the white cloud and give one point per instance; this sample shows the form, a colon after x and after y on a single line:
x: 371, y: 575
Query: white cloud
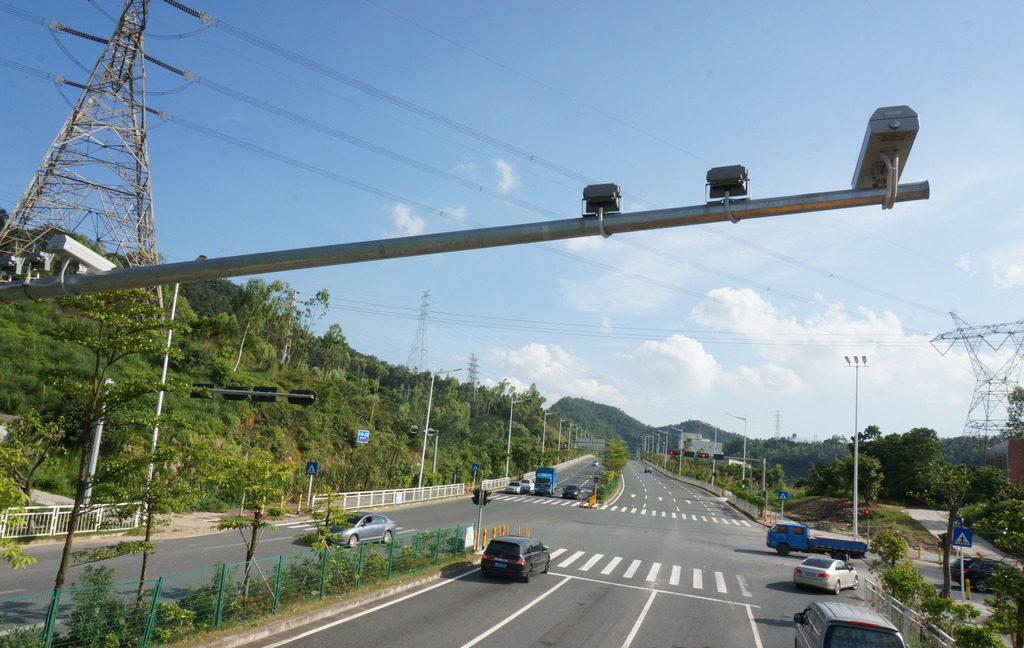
x: 508, y: 177
x: 556, y: 373
x: 405, y: 222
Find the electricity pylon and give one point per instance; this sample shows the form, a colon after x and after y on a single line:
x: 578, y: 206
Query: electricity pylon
x: 419, y: 355
x: 988, y: 412
x: 95, y: 179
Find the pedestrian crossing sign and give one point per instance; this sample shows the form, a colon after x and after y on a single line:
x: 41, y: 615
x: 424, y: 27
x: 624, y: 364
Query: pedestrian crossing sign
x: 962, y: 537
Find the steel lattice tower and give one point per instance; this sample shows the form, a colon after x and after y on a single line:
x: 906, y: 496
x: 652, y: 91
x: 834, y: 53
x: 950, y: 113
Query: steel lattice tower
x: 988, y: 412
x: 95, y: 179
x: 418, y: 356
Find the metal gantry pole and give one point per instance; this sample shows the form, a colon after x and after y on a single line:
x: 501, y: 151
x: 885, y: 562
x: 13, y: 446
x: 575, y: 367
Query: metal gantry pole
x: 409, y: 246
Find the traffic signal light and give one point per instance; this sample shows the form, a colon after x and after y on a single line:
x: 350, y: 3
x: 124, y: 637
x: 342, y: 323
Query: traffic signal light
x: 476, y: 496
x: 487, y: 497
x: 866, y: 512
x: 703, y: 455
x: 689, y: 453
x: 673, y: 453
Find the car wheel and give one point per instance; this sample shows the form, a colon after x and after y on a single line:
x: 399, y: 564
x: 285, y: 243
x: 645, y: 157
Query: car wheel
x: 387, y: 537
x: 353, y: 540
x: 981, y: 586
x: 838, y: 588
x: 856, y: 582
x: 529, y: 575
x: 783, y: 549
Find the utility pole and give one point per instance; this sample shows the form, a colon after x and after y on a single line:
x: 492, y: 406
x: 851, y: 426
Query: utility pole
x: 95, y: 179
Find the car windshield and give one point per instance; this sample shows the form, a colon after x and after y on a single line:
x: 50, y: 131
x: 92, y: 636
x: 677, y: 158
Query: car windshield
x: 824, y: 563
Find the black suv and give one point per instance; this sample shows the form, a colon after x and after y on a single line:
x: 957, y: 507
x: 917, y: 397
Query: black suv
x: 977, y: 570
x: 516, y: 556
x: 571, y: 491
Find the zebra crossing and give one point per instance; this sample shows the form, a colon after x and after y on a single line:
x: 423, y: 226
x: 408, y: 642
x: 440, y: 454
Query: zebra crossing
x: 634, y: 510
x: 655, y: 573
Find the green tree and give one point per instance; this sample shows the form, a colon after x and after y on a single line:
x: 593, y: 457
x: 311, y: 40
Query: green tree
x: 38, y: 440
x: 1014, y: 415
x: 904, y: 459
x: 111, y: 327
x: 259, y: 480
x: 12, y: 499
x: 950, y: 488
x: 156, y: 482
x: 890, y: 548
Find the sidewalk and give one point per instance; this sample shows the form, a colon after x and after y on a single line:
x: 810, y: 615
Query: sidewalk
x: 935, y: 523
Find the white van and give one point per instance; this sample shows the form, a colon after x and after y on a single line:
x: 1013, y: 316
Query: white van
x: 839, y: 625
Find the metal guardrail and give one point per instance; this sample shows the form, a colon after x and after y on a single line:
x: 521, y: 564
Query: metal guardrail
x: 368, y: 499
x: 46, y: 521
x: 917, y: 632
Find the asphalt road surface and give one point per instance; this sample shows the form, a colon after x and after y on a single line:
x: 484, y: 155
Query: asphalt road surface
x: 664, y: 564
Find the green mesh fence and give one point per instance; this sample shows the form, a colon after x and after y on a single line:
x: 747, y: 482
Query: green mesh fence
x: 158, y: 612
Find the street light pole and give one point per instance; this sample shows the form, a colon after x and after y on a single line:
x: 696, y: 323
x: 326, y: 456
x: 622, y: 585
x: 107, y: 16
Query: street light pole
x: 544, y: 435
x: 508, y: 448
x: 558, y: 455
x: 858, y: 362
x: 744, y: 419
x: 426, y: 427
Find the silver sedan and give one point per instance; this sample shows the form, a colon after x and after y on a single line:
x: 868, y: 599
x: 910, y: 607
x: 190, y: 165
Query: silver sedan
x: 360, y: 527
x: 826, y: 573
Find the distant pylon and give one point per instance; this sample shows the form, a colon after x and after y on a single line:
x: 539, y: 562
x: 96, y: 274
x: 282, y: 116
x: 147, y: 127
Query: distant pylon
x: 474, y: 374
x: 988, y: 414
x: 95, y: 179
x: 418, y: 355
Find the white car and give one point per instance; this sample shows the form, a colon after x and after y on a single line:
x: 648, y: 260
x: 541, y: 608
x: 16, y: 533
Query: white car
x: 514, y: 487
x: 525, y: 486
x: 826, y: 573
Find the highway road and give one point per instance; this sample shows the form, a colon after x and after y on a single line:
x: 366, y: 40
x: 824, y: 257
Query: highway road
x: 664, y: 564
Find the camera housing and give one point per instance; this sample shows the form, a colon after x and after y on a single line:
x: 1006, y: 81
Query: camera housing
x: 69, y: 248
x: 890, y: 135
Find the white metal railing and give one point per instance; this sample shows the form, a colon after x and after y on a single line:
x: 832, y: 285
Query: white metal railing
x: 46, y: 521
x: 366, y: 499
x: 915, y: 629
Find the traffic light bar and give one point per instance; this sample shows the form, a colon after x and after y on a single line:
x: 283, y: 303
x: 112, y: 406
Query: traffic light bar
x: 481, y: 496
x: 258, y: 394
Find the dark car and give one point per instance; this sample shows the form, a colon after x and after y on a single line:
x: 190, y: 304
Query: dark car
x: 647, y: 469
x: 977, y: 571
x: 571, y: 491
x: 516, y: 556
x: 359, y: 527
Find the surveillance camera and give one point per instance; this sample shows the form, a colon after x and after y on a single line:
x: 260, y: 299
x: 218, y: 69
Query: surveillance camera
x: 69, y: 248
x: 891, y: 132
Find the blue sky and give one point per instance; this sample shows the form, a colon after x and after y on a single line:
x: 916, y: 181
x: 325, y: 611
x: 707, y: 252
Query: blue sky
x: 534, y: 100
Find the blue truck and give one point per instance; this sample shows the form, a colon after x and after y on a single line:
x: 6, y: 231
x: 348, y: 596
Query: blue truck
x: 545, y: 480
x: 784, y: 537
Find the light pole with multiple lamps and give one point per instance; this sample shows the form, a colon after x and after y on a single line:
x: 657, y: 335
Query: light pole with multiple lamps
x: 508, y: 448
x: 744, y: 419
x: 426, y: 427
x: 857, y: 363
x: 558, y: 455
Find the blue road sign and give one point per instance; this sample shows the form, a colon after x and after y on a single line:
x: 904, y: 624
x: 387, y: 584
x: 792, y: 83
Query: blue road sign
x: 363, y: 436
x: 476, y: 468
x: 783, y: 496
x: 962, y: 537
x: 312, y: 467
